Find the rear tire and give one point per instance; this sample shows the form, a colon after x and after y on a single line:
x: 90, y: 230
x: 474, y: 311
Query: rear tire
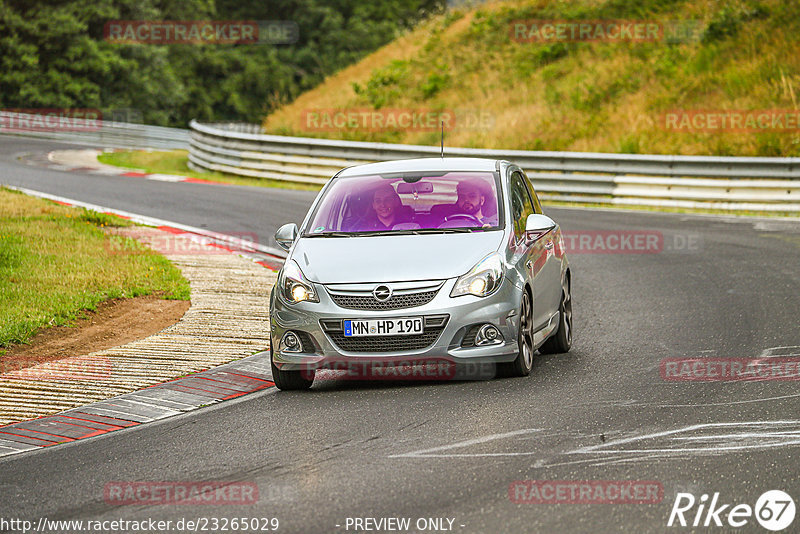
x: 291, y: 380
x: 561, y: 340
x: 523, y: 364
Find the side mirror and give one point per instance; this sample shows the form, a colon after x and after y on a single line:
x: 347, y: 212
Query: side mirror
x: 537, y: 225
x: 286, y: 235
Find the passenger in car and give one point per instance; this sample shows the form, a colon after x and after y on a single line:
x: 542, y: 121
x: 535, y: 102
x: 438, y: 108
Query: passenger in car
x: 386, y: 210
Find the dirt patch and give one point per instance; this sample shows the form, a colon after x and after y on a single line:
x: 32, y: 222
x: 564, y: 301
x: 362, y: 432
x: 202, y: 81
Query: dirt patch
x: 116, y: 322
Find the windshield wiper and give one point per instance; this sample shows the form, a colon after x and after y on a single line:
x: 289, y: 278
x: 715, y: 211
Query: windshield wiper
x: 444, y: 230
x: 418, y: 231
x: 336, y: 234
x: 421, y: 231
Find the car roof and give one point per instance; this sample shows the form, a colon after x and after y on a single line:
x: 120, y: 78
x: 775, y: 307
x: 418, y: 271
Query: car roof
x: 422, y: 165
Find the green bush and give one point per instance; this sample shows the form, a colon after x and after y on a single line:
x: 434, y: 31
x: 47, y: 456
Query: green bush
x: 53, y: 55
x: 384, y: 85
x: 435, y: 82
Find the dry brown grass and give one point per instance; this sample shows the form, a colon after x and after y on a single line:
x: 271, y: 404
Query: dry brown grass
x: 605, y: 97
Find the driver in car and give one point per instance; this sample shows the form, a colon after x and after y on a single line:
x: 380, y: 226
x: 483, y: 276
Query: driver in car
x: 471, y: 200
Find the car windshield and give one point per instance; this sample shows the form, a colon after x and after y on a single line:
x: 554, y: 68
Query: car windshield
x: 409, y: 203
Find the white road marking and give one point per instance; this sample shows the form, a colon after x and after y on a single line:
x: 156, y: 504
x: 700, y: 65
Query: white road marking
x: 779, y: 352
x: 426, y: 453
x: 731, y: 437
x: 750, y: 435
x: 165, y: 177
x: 628, y: 403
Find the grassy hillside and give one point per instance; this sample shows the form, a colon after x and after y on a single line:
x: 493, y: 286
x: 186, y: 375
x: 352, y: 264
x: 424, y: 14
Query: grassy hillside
x: 582, y: 96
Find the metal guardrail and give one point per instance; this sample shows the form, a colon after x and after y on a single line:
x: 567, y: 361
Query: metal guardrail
x: 98, y: 133
x: 763, y: 184
x: 737, y: 183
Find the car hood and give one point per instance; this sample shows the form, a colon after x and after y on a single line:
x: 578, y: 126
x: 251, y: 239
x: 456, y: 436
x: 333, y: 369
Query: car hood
x: 334, y: 260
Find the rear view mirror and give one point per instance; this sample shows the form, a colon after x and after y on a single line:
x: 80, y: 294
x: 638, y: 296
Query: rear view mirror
x: 537, y: 225
x: 286, y: 235
x: 405, y: 188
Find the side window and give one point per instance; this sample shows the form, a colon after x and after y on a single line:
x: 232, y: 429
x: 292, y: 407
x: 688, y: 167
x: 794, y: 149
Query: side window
x: 537, y: 207
x: 521, y: 205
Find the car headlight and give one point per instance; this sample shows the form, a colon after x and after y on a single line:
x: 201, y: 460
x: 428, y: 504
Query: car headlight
x: 483, y: 279
x: 294, y: 286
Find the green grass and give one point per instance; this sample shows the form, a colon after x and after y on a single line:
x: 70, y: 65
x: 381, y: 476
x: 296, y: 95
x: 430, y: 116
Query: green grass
x: 103, y: 219
x: 175, y: 162
x: 56, y: 262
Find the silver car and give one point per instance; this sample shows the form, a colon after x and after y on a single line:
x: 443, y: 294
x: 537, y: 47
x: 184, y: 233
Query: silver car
x: 420, y: 260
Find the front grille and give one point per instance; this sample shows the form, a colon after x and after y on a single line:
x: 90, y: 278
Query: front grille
x: 396, y: 302
x: 434, y: 324
x: 385, y: 343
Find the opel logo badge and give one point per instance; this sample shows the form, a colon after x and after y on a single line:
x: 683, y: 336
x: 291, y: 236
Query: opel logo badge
x: 382, y: 293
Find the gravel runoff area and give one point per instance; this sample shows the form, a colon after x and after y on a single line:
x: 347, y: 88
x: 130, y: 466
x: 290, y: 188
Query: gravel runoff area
x: 228, y: 319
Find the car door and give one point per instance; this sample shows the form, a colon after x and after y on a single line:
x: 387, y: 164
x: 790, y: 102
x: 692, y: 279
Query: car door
x: 550, y: 273
x: 531, y: 256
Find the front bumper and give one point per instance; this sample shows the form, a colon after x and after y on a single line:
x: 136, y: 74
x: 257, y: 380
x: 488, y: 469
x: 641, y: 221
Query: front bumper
x: 320, y: 348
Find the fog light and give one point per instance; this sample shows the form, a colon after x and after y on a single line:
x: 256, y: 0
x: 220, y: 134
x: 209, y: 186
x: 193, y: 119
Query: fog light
x: 291, y: 342
x: 488, y: 334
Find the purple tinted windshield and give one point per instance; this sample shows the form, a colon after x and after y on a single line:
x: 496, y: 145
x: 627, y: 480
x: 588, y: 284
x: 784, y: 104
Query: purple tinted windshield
x: 376, y: 203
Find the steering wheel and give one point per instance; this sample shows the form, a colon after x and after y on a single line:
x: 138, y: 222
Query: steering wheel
x: 464, y: 216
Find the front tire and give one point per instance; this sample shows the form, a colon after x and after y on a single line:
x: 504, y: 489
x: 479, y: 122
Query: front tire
x: 561, y: 340
x: 523, y: 364
x: 291, y: 380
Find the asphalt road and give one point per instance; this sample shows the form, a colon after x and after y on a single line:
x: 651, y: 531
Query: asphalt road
x: 247, y: 211
x: 724, y: 288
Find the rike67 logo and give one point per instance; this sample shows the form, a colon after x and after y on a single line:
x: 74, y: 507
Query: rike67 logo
x: 774, y: 510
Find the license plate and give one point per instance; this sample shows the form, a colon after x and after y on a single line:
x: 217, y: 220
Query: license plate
x: 402, y: 326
